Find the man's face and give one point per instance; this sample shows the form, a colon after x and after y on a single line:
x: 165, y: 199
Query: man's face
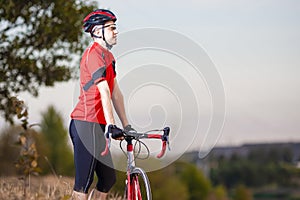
x: 110, y: 32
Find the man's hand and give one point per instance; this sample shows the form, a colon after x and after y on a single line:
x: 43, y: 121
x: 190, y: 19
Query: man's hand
x: 129, y: 129
x: 116, y: 133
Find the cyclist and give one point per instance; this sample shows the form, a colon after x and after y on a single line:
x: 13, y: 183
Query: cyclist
x: 99, y: 92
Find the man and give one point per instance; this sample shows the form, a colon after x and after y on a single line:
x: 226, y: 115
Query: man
x: 99, y: 92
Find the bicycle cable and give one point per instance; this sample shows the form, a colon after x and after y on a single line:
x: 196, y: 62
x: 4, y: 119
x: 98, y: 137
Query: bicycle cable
x: 138, y: 152
x: 154, y: 130
x: 138, y: 141
x: 140, y: 149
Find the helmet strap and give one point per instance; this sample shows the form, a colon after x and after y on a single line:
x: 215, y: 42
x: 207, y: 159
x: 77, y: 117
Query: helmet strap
x: 108, y: 46
x: 95, y: 36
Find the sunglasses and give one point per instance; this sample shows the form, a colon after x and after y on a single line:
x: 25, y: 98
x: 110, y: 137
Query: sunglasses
x: 112, y: 27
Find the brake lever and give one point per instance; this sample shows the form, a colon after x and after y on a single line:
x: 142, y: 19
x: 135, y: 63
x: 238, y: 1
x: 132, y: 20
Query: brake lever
x: 168, y: 145
x: 107, y: 144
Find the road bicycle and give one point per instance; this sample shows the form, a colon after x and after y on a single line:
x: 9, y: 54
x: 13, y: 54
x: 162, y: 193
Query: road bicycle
x: 137, y: 185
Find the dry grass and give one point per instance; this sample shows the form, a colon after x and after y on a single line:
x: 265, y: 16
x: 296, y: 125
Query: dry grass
x: 39, y: 188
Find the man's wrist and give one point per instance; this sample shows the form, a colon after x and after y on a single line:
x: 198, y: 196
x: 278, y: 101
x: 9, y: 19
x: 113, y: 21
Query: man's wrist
x: 129, y: 128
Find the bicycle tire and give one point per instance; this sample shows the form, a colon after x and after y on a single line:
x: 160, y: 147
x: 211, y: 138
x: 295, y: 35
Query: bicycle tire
x: 140, y: 185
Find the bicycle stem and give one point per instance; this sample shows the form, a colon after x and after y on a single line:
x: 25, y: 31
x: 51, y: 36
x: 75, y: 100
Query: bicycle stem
x: 130, y: 154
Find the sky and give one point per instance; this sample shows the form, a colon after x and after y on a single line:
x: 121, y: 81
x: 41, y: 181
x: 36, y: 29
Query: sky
x: 251, y: 47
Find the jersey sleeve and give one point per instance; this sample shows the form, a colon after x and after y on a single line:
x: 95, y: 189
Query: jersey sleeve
x: 96, y: 66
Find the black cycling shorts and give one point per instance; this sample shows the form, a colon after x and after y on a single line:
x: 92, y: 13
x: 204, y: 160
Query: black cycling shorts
x: 88, y: 142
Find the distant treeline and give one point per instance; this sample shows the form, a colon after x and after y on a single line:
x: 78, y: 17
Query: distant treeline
x: 273, y: 167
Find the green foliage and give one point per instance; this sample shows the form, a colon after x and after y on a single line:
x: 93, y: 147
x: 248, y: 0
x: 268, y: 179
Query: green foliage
x: 56, y: 155
x: 38, y: 43
x: 242, y: 193
x: 32, y: 152
x: 9, y: 151
x: 272, y: 155
x: 18, y: 147
x: 171, y: 188
x: 220, y: 193
x: 259, y: 168
x: 163, y: 183
x: 198, y: 186
x: 28, y: 158
x: 27, y: 161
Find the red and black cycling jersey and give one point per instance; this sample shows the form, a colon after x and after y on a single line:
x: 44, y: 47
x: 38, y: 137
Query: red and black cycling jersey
x: 97, y: 64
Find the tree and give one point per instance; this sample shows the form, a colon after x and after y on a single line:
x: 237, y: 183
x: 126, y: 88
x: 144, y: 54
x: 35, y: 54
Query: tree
x: 242, y: 193
x: 9, y: 151
x: 167, y: 185
x: 53, y: 145
x: 38, y: 42
x: 198, y: 185
x: 171, y: 188
x: 220, y: 192
x: 26, y: 162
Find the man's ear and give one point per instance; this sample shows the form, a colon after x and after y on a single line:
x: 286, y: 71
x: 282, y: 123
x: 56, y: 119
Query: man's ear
x: 98, y: 32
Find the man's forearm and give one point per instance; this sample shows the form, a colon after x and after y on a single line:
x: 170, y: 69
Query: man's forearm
x: 118, y: 102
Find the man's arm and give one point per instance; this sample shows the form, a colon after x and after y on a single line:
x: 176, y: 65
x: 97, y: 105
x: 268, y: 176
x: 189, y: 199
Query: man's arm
x: 118, y: 102
x: 106, y: 102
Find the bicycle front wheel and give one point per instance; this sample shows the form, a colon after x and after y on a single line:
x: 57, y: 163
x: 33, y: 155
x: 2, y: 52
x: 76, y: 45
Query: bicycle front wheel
x: 139, y: 186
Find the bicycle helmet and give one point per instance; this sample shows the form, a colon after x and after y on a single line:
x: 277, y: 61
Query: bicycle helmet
x: 97, y: 17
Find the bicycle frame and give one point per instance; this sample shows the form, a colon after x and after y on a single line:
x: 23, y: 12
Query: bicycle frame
x: 130, y: 166
x: 132, y: 172
x: 133, y: 187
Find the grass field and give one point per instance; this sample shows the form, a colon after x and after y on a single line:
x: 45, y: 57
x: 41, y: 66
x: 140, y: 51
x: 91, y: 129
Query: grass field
x: 38, y: 188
